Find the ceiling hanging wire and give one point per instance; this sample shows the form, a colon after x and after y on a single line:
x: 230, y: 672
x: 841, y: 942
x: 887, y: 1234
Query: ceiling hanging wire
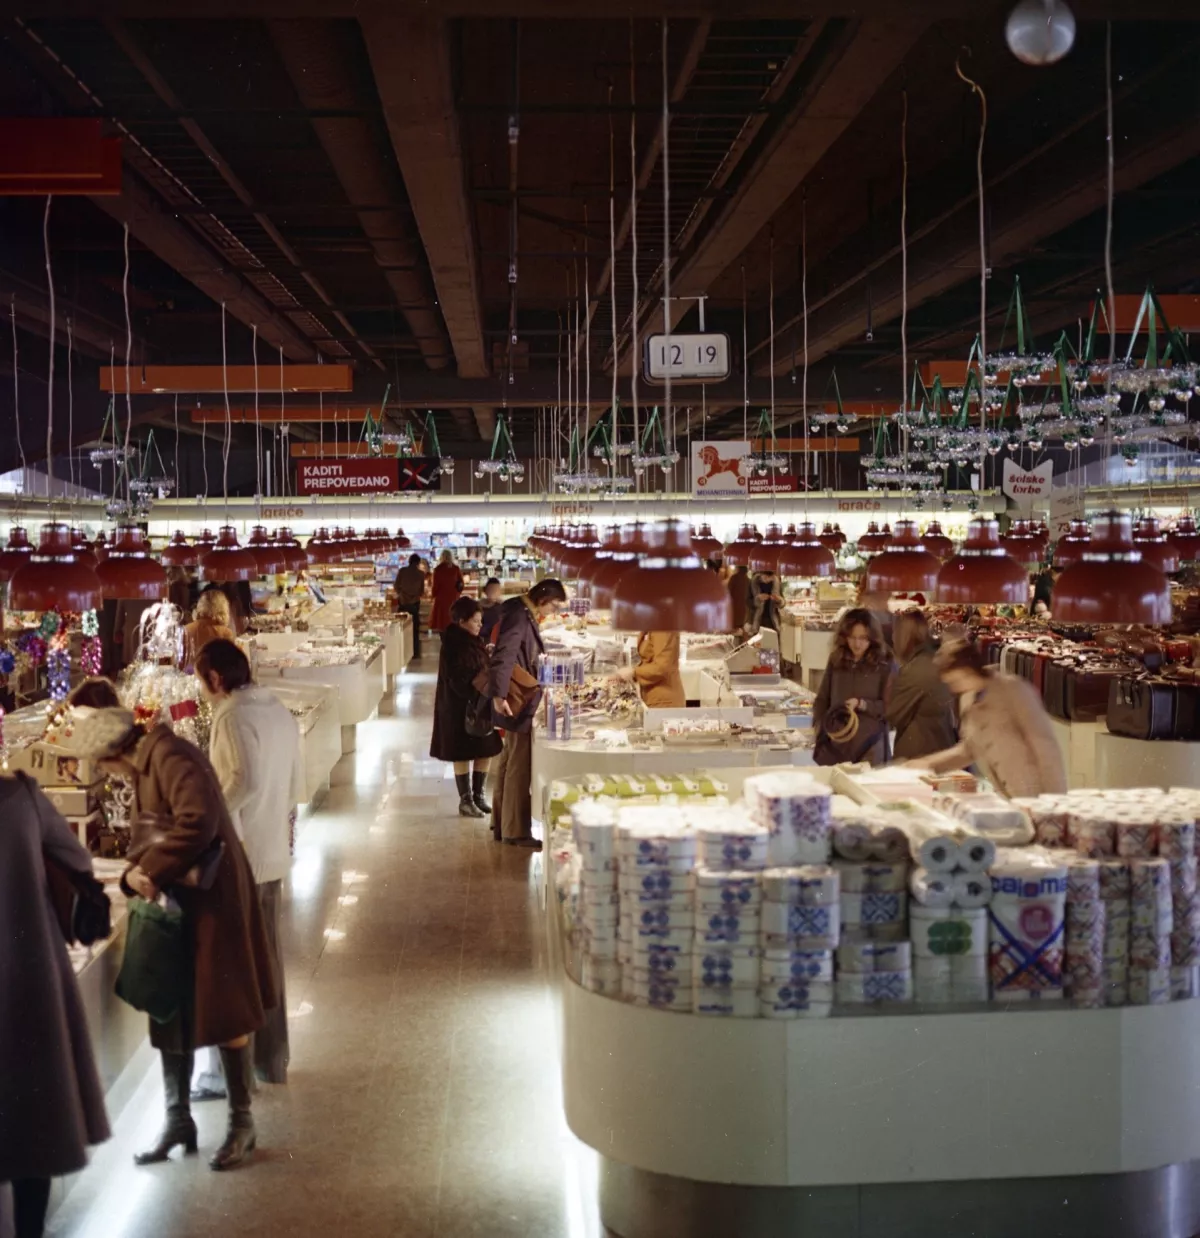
x: 71, y: 410
x: 633, y: 234
x: 283, y: 430
x: 17, y: 390
x: 258, y: 477
x: 128, y: 357
x: 904, y: 284
x: 178, y: 485
x: 770, y: 450
x: 804, y: 318
x: 53, y: 334
x: 582, y: 464
x: 668, y: 410
x: 1109, y: 294
x: 615, y: 427
x: 228, y: 414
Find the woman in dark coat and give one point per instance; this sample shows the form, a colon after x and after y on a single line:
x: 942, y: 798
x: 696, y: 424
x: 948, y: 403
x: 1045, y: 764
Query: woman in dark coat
x: 51, y: 1101
x: 180, y: 820
x: 920, y: 709
x: 463, y: 656
x: 859, y: 673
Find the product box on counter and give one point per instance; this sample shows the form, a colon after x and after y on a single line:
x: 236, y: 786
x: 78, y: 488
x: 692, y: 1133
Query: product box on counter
x: 74, y: 801
x: 53, y: 766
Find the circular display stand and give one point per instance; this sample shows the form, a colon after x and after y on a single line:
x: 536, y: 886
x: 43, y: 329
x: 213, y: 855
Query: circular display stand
x: 1018, y: 1121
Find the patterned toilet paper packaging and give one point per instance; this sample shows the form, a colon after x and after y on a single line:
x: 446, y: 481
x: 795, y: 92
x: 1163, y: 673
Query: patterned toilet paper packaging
x: 633, y: 899
x: 648, y: 917
x: 863, y: 956
x: 931, y: 889
x: 738, y: 846
x: 872, y: 877
x: 890, y: 845
x: 601, y: 944
x: 797, y: 992
x: 796, y: 811
x: 852, y: 840
x: 726, y: 1003
x: 600, y: 976
x: 1027, y: 918
x: 1083, y: 880
x: 728, y: 888
x: 932, y: 989
x: 598, y: 895
x: 1183, y: 876
x: 678, y: 939
x: 1136, y: 839
x: 948, y: 932
x: 810, y: 928
x: 738, y: 967
x: 666, y: 962
x: 1185, y: 983
x: 810, y: 885
x: 1093, y: 835
x: 599, y: 917
x: 1151, y: 918
x: 1114, y: 879
x: 736, y: 927
x: 656, y: 882
x: 1176, y: 839
x: 786, y: 966
x: 873, y: 908
x: 881, y: 986
x: 794, y: 1010
x: 1149, y: 986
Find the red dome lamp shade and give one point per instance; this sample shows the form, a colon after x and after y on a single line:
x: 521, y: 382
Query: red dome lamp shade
x: 805, y: 558
x: 738, y: 552
x: 1156, y: 549
x: 936, y: 542
x: 266, y: 553
x: 872, y: 541
x: 83, y: 552
x: 1185, y: 537
x: 402, y: 542
x: 128, y: 571
x: 982, y: 573
x: 832, y: 537
x: 1070, y: 547
x: 905, y: 566
x: 179, y: 552
x: 54, y: 576
x: 321, y: 550
x: 227, y: 561
x: 293, y: 552
x: 1022, y: 543
x: 205, y: 542
x: 705, y: 545
x: 607, y: 548
x: 1111, y: 583
x: 670, y: 590
x: 765, y: 556
x: 587, y: 547
x: 100, y: 547
x: 15, y: 554
x: 630, y: 548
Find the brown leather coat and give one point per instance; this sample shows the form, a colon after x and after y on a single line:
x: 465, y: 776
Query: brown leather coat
x: 179, y: 812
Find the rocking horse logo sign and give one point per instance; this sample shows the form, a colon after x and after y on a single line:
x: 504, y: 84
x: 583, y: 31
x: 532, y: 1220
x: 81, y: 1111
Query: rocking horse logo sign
x: 717, y: 468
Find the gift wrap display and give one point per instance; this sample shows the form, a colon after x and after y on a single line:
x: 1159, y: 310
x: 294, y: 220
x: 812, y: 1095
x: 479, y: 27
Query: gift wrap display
x: 794, y: 902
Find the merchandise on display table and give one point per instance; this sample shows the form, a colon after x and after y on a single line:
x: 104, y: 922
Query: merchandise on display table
x: 797, y: 902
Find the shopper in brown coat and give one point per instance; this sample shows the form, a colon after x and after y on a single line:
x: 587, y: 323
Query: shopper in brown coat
x: 657, y: 671
x: 859, y: 674
x: 920, y: 709
x: 739, y: 595
x: 1005, y: 730
x: 213, y: 621
x: 180, y: 823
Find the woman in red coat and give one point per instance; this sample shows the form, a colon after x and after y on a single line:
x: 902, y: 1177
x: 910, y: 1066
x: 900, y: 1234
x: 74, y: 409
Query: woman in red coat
x: 447, y: 585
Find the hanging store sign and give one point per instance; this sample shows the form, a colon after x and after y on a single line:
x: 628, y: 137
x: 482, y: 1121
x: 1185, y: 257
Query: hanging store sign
x: 717, y: 467
x: 1027, y: 486
x: 699, y: 358
x: 347, y: 476
x: 420, y: 474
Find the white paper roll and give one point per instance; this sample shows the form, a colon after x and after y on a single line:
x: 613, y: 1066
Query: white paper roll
x: 890, y: 845
x: 599, y: 917
x: 864, y: 956
x: 855, y: 989
x: 809, y: 885
x: 938, y: 853
x: 946, y: 932
x: 661, y: 961
x: 735, y: 968
x: 736, y: 928
x: 645, y: 940
x: 726, y: 1003
x: 925, y: 968
x: 872, y: 877
x: 932, y: 990
x: 810, y: 927
x: 1149, y: 986
x: 969, y: 967
x: 969, y: 989
x: 852, y: 840
x: 931, y: 889
x: 972, y: 889
x: 655, y: 883
x: 874, y: 908
x: 740, y: 845
x: 659, y: 919
x: 976, y: 853
x: 798, y: 992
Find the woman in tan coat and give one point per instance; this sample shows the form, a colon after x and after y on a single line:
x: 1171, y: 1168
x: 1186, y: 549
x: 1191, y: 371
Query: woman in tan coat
x: 1004, y: 730
x: 213, y: 621
x: 657, y: 671
x: 181, y: 823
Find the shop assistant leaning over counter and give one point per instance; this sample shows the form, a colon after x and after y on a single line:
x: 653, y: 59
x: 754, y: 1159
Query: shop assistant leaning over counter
x: 657, y: 671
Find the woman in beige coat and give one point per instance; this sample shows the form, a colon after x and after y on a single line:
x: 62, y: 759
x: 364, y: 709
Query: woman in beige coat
x: 181, y: 821
x: 1004, y: 729
x: 657, y: 671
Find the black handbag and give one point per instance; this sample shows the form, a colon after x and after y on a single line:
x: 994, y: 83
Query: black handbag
x: 1141, y: 708
x: 82, y: 908
x: 846, y: 737
x: 477, y: 720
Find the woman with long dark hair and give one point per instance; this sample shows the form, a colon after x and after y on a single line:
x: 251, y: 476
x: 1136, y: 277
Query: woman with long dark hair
x: 920, y: 709
x: 463, y: 657
x: 858, y: 675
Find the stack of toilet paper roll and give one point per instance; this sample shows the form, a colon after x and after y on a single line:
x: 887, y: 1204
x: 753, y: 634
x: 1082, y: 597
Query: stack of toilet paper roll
x: 874, y: 971
x: 988, y: 815
x: 874, y: 900
x: 1177, y: 845
x: 862, y: 833
x: 1084, y: 957
x: 1149, y: 931
x: 796, y: 812
x: 656, y: 882
x: 800, y: 931
x: 726, y: 955
x: 950, y: 954
x: 593, y: 826
x: 1027, y: 921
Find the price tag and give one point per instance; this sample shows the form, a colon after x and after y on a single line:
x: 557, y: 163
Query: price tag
x: 700, y: 358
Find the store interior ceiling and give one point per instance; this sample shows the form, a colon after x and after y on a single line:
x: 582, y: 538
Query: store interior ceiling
x: 431, y: 193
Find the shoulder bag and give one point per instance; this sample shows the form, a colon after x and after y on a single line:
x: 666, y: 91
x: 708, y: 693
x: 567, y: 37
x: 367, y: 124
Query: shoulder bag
x: 846, y: 737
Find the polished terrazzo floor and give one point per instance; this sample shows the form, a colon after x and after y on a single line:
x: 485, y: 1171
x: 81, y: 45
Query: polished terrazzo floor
x: 424, y: 1094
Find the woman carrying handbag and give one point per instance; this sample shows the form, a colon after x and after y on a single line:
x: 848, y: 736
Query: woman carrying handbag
x: 856, y: 682
x: 184, y: 845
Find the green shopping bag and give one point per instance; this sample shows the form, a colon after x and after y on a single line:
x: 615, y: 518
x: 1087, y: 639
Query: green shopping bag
x: 155, y: 973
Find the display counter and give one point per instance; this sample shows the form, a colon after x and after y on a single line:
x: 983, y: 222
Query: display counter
x: 896, y: 1116
x: 1124, y: 762
x: 315, y: 708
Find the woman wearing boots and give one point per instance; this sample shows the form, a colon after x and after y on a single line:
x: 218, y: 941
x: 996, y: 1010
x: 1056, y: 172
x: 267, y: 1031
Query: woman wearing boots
x: 463, y: 657
x: 184, y: 845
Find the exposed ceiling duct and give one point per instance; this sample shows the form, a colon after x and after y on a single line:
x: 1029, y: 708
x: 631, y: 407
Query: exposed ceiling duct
x: 316, y: 59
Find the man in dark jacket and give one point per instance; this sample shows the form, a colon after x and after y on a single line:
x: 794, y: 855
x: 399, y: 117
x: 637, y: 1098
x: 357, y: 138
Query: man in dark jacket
x: 490, y: 602
x: 410, y: 589
x: 515, y: 657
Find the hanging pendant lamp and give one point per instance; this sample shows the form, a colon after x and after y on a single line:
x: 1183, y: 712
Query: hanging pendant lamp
x: 1185, y: 537
x: 100, y: 547
x: 1156, y: 549
x: 905, y: 566
x: 227, y: 561
x: 805, y: 558
x: 832, y: 538
x: 705, y: 545
x: 321, y: 550
x: 206, y: 541
x: 765, y: 555
x: 1022, y: 543
x: 15, y: 554
x: 404, y: 542
x: 179, y: 552
x: 129, y: 572
x: 608, y: 546
x: 581, y: 552
x: 266, y: 553
x: 54, y: 576
x: 631, y: 547
x: 737, y: 553
x: 1041, y: 532
x: 1070, y: 547
x: 670, y: 590
x: 872, y: 541
x: 982, y: 572
x: 936, y: 542
x: 83, y: 552
x: 1112, y: 583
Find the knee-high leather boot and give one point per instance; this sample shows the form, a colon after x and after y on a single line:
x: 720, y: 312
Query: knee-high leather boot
x: 180, y: 1129
x: 241, y: 1137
